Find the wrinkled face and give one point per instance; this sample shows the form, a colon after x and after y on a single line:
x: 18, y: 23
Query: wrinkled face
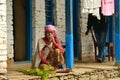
x: 49, y: 34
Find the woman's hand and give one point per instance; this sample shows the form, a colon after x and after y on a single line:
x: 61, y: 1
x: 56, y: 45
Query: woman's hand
x: 53, y: 40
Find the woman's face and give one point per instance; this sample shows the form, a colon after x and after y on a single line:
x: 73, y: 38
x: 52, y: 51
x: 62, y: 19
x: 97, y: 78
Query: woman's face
x: 49, y: 34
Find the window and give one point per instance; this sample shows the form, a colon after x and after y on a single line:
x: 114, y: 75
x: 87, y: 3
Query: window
x: 49, y: 12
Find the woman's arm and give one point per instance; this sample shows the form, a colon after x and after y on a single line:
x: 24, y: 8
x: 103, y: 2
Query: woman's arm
x: 57, y: 43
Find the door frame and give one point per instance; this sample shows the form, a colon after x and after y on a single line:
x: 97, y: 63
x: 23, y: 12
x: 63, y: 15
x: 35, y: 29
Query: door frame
x: 29, y: 30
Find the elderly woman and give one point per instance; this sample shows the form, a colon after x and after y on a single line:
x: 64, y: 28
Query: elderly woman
x: 49, y: 50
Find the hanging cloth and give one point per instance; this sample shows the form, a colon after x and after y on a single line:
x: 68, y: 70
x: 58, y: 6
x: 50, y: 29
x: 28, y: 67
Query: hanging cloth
x: 107, y: 7
x: 92, y: 6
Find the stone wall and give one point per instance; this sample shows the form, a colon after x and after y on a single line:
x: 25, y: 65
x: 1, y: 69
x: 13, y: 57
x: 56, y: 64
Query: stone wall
x: 10, y: 39
x: 60, y: 19
x: 3, y: 37
x: 38, y: 20
x: 85, y: 42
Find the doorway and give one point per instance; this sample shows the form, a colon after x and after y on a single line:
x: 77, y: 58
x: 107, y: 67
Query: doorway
x: 19, y: 19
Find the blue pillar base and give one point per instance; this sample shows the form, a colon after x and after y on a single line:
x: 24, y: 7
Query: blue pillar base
x: 69, y: 51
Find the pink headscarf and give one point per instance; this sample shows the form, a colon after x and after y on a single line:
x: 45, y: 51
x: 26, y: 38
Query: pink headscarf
x: 51, y: 27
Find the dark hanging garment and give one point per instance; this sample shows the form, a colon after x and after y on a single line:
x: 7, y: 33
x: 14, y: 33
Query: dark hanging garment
x: 100, y: 30
x: 96, y: 24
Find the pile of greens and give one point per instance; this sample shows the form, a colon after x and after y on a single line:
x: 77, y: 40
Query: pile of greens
x: 44, y: 73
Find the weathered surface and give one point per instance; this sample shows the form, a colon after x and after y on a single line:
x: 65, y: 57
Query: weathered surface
x: 82, y: 71
x: 3, y: 38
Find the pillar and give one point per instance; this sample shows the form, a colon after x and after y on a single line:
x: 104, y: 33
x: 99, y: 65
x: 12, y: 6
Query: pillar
x: 117, y: 31
x: 69, y: 34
